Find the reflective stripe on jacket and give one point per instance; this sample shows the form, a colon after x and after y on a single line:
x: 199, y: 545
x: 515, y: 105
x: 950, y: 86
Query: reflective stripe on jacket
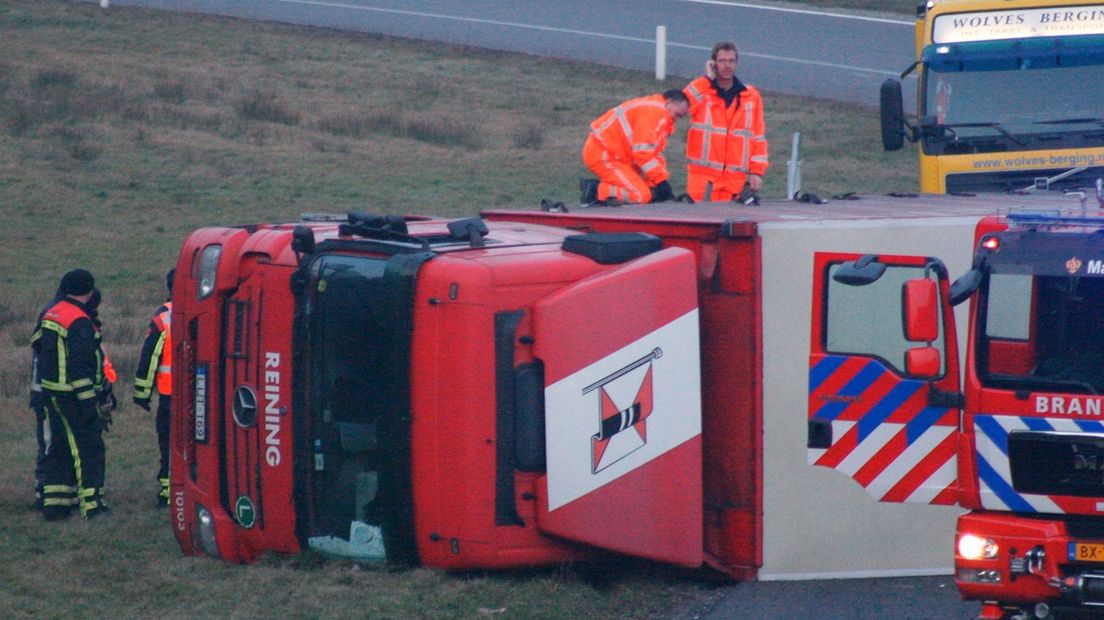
x: 67, y: 356
x: 636, y: 132
x: 725, y: 140
x: 155, y: 362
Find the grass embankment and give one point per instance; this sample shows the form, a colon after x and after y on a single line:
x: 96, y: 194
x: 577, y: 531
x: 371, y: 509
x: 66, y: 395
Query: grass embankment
x: 123, y: 130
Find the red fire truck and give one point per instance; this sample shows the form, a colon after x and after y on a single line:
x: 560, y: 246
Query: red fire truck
x: 1022, y: 445
x: 528, y: 387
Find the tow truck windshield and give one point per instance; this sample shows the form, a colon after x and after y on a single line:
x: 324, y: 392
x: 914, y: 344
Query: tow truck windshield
x: 1011, y: 110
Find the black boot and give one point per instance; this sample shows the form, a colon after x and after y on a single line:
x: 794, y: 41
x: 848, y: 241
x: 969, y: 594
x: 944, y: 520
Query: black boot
x: 588, y: 191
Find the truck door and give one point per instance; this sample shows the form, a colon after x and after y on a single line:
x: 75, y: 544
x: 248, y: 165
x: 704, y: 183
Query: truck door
x: 622, y: 402
x: 884, y: 401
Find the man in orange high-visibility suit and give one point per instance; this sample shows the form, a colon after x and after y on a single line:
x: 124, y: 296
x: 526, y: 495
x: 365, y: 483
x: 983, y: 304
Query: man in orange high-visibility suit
x: 625, y: 150
x: 155, y: 370
x: 726, y: 145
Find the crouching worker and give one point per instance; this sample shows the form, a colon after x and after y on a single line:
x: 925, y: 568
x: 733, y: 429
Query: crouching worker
x: 625, y: 150
x: 70, y: 384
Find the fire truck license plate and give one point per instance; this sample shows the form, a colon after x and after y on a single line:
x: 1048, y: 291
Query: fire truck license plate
x: 1086, y: 552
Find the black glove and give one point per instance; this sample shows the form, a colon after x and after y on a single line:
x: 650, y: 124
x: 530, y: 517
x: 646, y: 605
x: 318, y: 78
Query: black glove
x: 662, y: 192
x: 105, y: 419
x: 144, y: 403
x: 106, y: 400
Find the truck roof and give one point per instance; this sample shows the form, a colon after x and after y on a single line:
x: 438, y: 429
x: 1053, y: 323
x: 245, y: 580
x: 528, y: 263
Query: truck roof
x: 783, y: 213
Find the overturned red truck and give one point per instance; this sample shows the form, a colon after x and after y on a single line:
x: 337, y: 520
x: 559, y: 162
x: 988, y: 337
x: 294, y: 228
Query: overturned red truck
x: 528, y: 387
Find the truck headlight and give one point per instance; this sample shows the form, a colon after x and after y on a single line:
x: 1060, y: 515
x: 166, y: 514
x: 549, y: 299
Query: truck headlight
x: 205, y: 525
x: 207, y: 270
x: 973, y: 547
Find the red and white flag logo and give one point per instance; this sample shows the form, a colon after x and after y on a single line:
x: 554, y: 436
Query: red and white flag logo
x: 622, y: 427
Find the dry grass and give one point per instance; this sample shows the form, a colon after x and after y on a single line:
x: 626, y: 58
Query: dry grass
x: 122, y: 131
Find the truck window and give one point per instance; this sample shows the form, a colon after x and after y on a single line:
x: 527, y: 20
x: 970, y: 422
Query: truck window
x: 347, y: 366
x: 1043, y: 333
x: 1010, y: 319
x: 867, y: 320
x: 987, y: 110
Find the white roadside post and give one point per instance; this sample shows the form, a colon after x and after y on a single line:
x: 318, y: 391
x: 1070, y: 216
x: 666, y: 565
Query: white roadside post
x: 661, y: 53
x: 793, y: 169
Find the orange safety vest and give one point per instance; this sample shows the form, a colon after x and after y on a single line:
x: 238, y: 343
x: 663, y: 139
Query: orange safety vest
x: 725, y: 140
x: 163, y: 321
x: 636, y: 133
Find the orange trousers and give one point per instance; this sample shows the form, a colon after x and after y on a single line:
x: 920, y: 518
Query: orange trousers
x: 616, y: 179
x: 723, y: 188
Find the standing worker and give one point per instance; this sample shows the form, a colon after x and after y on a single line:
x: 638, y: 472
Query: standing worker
x: 625, y: 150
x: 726, y: 145
x: 68, y: 387
x: 155, y: 368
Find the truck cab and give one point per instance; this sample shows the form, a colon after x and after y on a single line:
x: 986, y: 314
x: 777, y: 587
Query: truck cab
x: 1002, y: 103
x: 1016, y: 437
x: 449, y: 393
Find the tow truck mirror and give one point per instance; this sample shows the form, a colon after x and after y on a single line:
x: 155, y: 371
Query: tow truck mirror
x: 864, y: 271
x: 923, y: 362
x: 921, y: 310
x: 892, y: 116
x: 965, y: 286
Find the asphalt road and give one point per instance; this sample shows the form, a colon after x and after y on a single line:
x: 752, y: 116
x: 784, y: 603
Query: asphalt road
x: 898, y: 598
x: 786, y: 48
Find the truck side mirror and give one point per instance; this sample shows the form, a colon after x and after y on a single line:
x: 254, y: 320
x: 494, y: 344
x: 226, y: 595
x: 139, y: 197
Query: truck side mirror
x: 864, y: 271
x: 965, y: 286
x: 922, y: 362
x: 920, y: 301
x: 302, y: 240
x: 892, y: 116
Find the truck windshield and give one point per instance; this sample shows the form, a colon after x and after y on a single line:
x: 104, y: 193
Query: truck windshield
x: 1043, y: 332
x: 1014, y: 109
x: 346, y: 372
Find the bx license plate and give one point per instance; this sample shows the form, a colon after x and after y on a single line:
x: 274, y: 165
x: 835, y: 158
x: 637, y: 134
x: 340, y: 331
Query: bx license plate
x: 1086, y: 552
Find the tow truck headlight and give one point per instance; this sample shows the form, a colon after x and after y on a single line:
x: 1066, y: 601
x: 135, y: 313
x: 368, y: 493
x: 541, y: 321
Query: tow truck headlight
x: 205, y: 525
x: 207, y: 270
x: 973, y: 547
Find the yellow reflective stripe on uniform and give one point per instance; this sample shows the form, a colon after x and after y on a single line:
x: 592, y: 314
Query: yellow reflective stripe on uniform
x: 59, y: 488
x: 55, y: 327
x: 79, y: 383
x: 55, y: 386
x: 86, y: 394
x: 59, y: 501
x: 83, y: 493
x: 73, y: 449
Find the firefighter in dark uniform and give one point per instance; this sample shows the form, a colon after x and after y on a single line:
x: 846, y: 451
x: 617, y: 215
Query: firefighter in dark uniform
x: 155, y: 370
x: 70, y: 390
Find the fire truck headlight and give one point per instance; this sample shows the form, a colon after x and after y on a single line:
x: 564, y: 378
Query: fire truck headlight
x: 973, y: 547
x: 205, y: 524
x: 206, y: 271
